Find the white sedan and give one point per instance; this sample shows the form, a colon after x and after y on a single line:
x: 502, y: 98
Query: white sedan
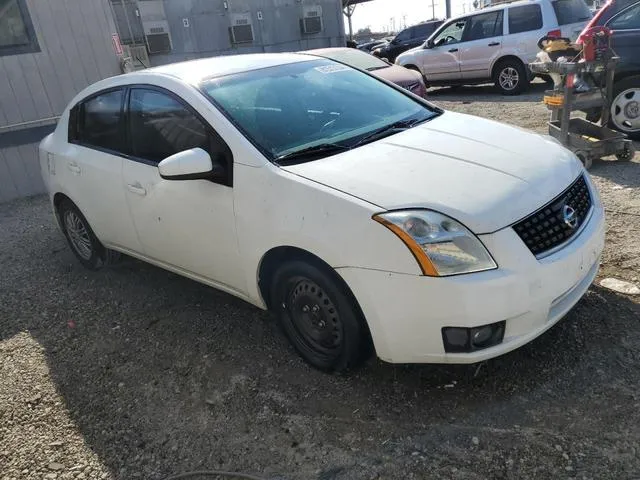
x: 365, y: 217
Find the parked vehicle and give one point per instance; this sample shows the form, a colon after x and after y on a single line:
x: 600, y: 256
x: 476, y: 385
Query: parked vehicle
x: 408, y: 38
x: 623, y: 18
x: 363, y: 216
x: 368, y: 46
x: 403, y: 77
x: 495, y: 44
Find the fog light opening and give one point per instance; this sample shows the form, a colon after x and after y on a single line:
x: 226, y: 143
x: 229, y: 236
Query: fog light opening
x: 464, y: 340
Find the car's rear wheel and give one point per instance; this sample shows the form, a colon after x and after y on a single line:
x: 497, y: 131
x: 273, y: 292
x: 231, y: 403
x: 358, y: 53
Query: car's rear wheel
x: 319, y: 316
x: 83, y: 242
x: 510, y: 77
x: 625, y: 107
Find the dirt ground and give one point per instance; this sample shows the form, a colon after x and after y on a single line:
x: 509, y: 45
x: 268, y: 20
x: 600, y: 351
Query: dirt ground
x: 133, y: 372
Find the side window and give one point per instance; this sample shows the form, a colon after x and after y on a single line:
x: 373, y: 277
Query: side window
x: 99, y: 121
x: 485, y: 25
x: 421, y: 31
x: 404, y: 35
x: 525, y: 19
x: 627, y: 20
x: 452, y: 33
x: 161, y: 126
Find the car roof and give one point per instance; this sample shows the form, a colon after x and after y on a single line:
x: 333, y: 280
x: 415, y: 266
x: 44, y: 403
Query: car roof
x: 194, y: 71
x: 500, y: 6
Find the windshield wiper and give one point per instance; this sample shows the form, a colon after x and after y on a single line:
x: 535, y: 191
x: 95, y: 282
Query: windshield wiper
x: 390, y: 129
x: 323, y: 149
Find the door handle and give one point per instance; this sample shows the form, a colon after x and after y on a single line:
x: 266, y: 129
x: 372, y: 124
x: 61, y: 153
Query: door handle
x: 494, y: 44
x: 137, y: 189
x: 73, y: 166
x: 453, y: 50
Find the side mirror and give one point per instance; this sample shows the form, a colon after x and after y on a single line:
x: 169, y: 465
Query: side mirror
x: 192, y: 164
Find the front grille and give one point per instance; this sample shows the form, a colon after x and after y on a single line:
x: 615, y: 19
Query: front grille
x: 547, y: 227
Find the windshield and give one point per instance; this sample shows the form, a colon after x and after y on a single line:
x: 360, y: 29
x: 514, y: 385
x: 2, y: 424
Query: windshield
x: 355, y: 58
x: 296, y: 106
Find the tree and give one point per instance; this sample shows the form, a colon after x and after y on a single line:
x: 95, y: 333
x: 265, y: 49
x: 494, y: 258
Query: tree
x: 364, y: 31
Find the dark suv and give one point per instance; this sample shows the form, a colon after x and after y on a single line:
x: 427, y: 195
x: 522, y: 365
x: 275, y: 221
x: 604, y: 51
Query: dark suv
x: 623, y: 18
x: 408, y: 38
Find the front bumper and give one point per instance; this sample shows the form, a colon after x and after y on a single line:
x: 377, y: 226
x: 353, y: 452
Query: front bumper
x: 406, y: 313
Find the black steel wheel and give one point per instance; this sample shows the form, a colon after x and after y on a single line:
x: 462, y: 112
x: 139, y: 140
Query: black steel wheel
x: 320, y: 317
x: 83, y: 242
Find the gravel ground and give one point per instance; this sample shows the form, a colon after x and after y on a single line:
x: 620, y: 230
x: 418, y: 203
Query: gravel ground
x: 134, y: 372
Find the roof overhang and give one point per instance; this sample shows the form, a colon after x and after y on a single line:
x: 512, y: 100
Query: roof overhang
x: 347, y: 3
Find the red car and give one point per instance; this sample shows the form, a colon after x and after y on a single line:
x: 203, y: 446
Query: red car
x: 403, y: 77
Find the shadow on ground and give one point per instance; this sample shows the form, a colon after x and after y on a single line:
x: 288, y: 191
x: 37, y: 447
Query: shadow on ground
x: 486, y: 93
x: 163, y: 375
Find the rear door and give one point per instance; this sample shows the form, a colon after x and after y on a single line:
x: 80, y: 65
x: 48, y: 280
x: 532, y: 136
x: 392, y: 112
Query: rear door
x: 481, y: 44
x: 92, y: 167
x: 441, y: 61
x: 571, y: 16
x: 524, y: 28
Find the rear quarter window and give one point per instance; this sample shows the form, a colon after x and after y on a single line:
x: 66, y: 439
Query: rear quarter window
x: 526, y: 18
x: 571, y: 11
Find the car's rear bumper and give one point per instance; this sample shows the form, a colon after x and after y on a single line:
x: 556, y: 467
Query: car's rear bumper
x: 406, y: 313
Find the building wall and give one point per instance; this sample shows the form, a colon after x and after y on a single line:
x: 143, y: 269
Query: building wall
x: 74, y: 49
x: 207, y: 33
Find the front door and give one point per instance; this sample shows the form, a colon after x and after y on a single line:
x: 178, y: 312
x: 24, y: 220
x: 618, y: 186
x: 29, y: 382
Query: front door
x: 481, y: 44
x: 186, y: 225
x: 441, y: 60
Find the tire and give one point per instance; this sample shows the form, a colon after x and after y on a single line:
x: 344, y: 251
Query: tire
x: 83, y: 242
x: 627, y: 154
x: 625, y: 107
x: 320, y: 317
x: 510, y: 77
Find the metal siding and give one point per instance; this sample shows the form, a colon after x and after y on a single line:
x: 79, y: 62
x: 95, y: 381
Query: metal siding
x: 279, y: 31
x: 76, y: 50
x: 59, y: 68
x: 15, y: 76
x: 8, y: 190
x: 18, y: 171
x: 31, y: 77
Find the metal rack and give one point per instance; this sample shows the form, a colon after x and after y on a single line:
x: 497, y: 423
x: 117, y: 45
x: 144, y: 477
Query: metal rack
x: 588, y: 140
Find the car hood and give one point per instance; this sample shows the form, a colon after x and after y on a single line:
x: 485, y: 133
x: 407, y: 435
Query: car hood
x: 398, y: 75
x: 484, y: 174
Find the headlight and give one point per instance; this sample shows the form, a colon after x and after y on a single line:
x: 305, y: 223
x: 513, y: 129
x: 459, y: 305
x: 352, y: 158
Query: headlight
x: 441, y: 245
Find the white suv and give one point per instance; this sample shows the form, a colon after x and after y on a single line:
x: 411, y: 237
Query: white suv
x: 495, y: 43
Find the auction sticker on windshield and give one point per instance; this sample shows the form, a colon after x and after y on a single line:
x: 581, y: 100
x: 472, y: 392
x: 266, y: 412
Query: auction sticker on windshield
x: 331, y: 68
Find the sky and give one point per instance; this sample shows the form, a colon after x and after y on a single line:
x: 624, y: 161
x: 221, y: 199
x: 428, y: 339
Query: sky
x: 378, y: 14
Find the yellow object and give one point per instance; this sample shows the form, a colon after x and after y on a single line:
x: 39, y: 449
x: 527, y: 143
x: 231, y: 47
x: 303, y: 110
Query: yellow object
x: 591, y: 139
x: 553, y: 100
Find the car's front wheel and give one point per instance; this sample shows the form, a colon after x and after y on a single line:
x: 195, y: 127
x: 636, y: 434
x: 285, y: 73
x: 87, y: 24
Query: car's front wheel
x: 510, y: 77
x: 320, y: 316
x: 83, y: 242
x: 625, y: 107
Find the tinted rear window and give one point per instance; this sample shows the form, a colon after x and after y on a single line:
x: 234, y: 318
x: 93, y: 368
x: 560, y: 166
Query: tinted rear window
x: 571, y: 11
x: 525, y: 19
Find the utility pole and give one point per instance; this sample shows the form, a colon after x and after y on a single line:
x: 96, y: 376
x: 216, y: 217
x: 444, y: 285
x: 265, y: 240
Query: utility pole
x: 433, y: 9
x: 447, y: 4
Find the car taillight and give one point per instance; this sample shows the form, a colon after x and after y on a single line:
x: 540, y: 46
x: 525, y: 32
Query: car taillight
x: 554, y: 33
x: 594, y: 21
